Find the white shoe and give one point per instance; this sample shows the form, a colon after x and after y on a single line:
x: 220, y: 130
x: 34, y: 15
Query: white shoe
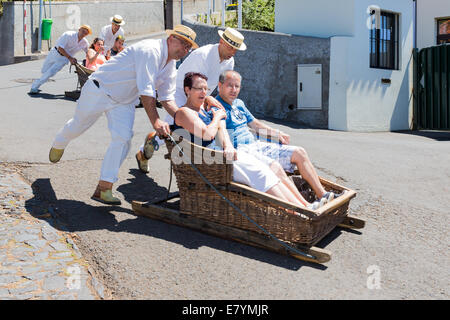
x: 317, y: 204
x: 329, y: 196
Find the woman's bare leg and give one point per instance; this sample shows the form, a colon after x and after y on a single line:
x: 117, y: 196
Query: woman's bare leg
x: 282, y: 192
x: 281, y: 174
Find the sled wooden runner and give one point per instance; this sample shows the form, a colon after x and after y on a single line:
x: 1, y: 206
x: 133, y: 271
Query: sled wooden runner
x: 210, y: 202
x: 172, y: 216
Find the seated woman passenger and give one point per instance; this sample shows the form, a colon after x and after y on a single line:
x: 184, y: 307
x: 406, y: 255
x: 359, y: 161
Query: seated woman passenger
x: 206, y: 125
x: 94, y: 56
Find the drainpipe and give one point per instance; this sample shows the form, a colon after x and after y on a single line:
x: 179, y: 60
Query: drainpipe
x: 181, y: 19
x: 415, y: 24
x: 40, y: 27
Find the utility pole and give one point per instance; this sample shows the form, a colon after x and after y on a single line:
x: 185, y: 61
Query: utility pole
x: 40, y: 27
x: 223, y: 12
x: 24, y: 27
x: 240, y: 14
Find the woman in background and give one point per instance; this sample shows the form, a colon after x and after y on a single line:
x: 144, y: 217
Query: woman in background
x: 95, y: 56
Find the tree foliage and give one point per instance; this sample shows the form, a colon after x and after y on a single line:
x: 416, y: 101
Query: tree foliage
x: 257, y: 15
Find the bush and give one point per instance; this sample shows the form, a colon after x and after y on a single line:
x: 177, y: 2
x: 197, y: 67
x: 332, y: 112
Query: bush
x: 258, y: 15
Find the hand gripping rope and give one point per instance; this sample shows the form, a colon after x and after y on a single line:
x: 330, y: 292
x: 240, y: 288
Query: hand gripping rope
x: 306, y: 255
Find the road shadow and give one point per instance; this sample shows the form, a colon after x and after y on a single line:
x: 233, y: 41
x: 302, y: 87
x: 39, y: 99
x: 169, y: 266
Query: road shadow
x: 430, y: 134
x: 76, y: 216
x: 48, y: 96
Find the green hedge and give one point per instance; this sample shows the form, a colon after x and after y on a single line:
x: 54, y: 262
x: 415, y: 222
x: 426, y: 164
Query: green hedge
x: 257, y: 15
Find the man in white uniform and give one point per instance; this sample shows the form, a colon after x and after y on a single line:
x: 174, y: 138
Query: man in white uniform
x: 210, y: 60
x: 66, y: 47
x: 110, y: 32
x: 115, y: 88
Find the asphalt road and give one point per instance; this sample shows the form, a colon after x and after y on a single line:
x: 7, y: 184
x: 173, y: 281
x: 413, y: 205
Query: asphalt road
x: 402, y: 180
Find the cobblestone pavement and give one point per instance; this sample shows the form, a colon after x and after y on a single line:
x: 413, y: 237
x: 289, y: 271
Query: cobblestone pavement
x: 38, y: 261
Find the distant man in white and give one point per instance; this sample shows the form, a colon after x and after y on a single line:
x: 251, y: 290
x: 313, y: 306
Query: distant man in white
x: 210, y: 60
x: 114, y: 89
x: 110, y: 32
x: 69, y: 44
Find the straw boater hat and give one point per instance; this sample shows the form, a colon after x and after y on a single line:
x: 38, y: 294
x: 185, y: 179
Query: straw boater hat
x: 234, y: 38
x: 87, y: 27
x: 184, y: 32
x: 116, y: 19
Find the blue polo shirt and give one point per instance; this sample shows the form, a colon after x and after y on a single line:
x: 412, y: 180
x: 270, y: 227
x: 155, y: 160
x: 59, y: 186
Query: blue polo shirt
x: 238, y: 116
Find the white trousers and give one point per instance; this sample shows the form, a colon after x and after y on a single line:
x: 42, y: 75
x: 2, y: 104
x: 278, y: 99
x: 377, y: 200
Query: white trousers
x: 93, y: 102
x: 52, y: 64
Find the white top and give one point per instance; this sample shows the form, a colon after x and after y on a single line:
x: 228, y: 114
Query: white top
x: 69, y: 42
x: 108, y: 37
x: 139, y: 69
x: 205, y: 60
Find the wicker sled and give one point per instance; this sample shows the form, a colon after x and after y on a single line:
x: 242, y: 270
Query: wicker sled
x: 83, y: 75
x: 201, y: 208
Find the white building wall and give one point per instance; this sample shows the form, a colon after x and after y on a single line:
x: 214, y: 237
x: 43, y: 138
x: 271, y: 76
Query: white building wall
x: 427, y: 12
x: 358, y: 101
x: 371, y: 105
x: 315, y: 18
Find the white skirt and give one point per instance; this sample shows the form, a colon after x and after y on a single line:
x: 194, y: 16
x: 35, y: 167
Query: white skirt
x: 254, y: 173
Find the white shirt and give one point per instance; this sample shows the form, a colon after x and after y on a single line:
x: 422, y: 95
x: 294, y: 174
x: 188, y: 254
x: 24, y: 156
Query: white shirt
x: 108, y: 37
x: 139, y: 69
x: 205, y: 60
x: 69, y: 42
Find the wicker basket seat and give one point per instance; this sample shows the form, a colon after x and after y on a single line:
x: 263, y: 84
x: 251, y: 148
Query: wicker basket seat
x: 83, y: 74
x: 290, y: 223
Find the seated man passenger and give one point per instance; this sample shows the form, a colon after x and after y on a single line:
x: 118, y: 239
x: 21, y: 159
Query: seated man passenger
x: 246, y: 169
x: 117, y: 47
x: 95, y: 55
x: 238, y: 121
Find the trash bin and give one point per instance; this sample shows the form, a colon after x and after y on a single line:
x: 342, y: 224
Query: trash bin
x: 46, y: 29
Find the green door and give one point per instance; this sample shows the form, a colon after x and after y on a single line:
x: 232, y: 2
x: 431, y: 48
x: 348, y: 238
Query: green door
x: 431, y: 88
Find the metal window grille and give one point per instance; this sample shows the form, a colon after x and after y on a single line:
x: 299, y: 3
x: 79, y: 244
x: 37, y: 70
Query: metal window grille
x: 384, y: 42
x: 443, y: 31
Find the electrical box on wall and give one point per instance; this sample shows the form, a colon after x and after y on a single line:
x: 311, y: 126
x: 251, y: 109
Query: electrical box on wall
x: 309, y: 86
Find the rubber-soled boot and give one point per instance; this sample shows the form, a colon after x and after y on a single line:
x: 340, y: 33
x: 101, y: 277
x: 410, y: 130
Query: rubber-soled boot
x: 142, y: 162
x: 150, y: 145
x: 55, y: 154
x: 105, y: 197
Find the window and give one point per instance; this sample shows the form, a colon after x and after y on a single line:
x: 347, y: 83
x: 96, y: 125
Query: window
x: 384, y: 51
x: 443, y: 31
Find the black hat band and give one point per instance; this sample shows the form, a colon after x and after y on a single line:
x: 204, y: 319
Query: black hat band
x: 233, y: 43
x: 185, y: 35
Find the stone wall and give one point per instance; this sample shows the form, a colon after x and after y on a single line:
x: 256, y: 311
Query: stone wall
x: 142, y: 17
